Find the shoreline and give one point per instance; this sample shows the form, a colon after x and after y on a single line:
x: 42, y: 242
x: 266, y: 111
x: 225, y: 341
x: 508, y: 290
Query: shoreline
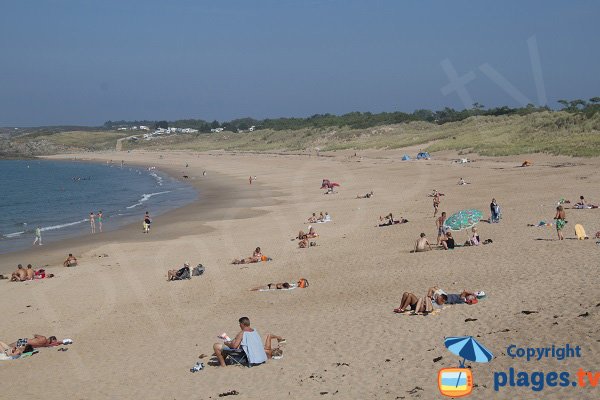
x: 212, y: 199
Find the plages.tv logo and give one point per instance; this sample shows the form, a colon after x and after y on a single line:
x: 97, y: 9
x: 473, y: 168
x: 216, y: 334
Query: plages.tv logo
x: 458, y: 382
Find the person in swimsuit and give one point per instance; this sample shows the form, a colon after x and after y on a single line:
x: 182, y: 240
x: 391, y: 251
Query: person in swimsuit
x: 13, y: 351
x: 272, y: 286
x: 19, y: 275
x: 440, y: 227
x: 29, y: 273
x: 256, y: 257
x: 37, y: 341
x: 421, y: 243
x: 38, y: 236
x: 448, y: 242
x: 436, y: 203
x: 71, y: 261
x: 100, y: 220
x: 93, y: 222
x: 560, y: 218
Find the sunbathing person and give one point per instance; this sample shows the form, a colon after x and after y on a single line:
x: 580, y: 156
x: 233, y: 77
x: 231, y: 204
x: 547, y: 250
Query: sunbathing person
x: 8, y: 352
x: 313, y: 218
x: 581, y: 204
x: 29, y: 273
x: 464, y: 297
x: 179, y: 274
x: 276, y: 352
x: 19, y: 275
x: 256, y: 257
x: 474, y: 240
x: 389, y: 220
x: 71, y: 261
x: 421, y: 243
x: 366, y: 196
x: 37, y: 341
x: 410, y: 301
x: 272, y: 286
x: 311, y: 233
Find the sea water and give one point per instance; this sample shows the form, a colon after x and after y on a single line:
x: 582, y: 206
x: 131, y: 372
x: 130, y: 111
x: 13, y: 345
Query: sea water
x: 59, y: 196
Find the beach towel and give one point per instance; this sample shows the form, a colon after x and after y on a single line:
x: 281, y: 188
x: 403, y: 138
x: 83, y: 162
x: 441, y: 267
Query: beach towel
x: 253, y: 347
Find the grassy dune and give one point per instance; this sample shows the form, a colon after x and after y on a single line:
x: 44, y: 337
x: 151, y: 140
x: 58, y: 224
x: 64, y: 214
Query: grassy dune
x: 73, y: 140
x: 546, y: 132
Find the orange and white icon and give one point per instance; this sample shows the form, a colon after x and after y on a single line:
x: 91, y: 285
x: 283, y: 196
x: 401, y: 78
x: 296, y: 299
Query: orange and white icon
x: 455, y: 382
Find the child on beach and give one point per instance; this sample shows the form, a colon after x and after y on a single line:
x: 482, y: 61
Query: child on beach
x: 560, y: 219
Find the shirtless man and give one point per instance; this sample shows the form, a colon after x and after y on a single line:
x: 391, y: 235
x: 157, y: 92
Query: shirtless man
x: 29, y: 273
x: 421, y: 243
x: 37, y: 341
x: 439, y: 223
x: 19, y: 275
x: 71, y: 261
x: 7, y: 351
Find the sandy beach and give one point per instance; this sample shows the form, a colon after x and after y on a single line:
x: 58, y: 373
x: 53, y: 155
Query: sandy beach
x: 136, y: 335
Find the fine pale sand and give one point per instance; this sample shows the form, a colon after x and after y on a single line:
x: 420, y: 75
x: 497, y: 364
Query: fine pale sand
x: 136, y: 335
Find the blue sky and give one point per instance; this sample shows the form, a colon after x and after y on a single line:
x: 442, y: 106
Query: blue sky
x: 85, y: 62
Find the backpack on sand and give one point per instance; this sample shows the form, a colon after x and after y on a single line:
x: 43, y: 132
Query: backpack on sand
x: 198, y: 270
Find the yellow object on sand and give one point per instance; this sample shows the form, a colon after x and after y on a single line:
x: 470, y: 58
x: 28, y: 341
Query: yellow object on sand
x: 580, y: 232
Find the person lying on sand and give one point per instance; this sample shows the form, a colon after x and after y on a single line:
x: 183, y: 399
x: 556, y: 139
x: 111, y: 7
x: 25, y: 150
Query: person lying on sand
x: 389, y: 220
x: 366, y: 196
x: 310, y: 235
x: 421, y: 244
x: 41, y: 274
x: 271, y: 286
x: 71, y: 261
x: 252, y: 337
x: 256, y: 257
x: 7, y: 352
x: 178, y: 274
x: 19, y: 275
x: 37, y: 341
x: 410, y: 301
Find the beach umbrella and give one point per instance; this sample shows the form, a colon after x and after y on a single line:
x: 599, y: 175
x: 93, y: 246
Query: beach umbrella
x: 469, y: 349
x: 463, y: 219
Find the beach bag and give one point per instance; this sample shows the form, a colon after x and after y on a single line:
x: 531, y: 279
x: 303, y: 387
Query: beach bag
x: 303, y: 283
x: 198, y: 270
x: 424, y: 305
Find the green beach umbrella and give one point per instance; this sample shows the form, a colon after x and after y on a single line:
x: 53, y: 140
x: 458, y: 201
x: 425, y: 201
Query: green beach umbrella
x: 463, y: 219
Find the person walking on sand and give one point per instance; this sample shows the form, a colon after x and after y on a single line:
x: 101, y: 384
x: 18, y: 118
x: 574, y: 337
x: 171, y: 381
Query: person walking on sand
x: 100, y: 220
x: 147, y: 222
x: 436, y: 203
x: 250, y: 179
x: 93, y: 222
x: 38, y: 236
x: 560, y: 218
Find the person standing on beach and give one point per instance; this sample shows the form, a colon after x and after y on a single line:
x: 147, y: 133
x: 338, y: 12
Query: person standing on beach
x: 93, y: 222
x: 436, y: 203
x: 495, y: 210
x: 100, y: 220
x: 250, y: 179
x: 560, y: 218
x: 440, y: 227
x: 147, y: 222
x: 38, y: 236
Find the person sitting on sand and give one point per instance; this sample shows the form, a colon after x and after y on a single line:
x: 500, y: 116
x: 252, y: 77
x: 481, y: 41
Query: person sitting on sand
x: 19, y: 275
x: 178, y: 274
x: 247, y: 338
x: 312, y: 219
x: 71, y: 261
x: 37, y: 341
x: 461, y: 181
x: 448, y: 241
x: 584, y: 204
x: 421, y: 243
x: 327, y: 217
x: 29, y: 273
x: 474, y: 240
x: 7, y: 352
x: 366, y: 196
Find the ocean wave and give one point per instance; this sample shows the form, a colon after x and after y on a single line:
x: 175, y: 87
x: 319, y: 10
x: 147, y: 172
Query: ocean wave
x: 157, y: 177
x: 145, y: 198
x: 54, y: 227
x: 12, y: 235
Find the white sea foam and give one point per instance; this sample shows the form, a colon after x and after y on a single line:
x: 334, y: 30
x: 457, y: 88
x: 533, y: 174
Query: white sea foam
x: 145, y: 198
x: 157, y: 177
x: 54, y: 227
x: 14, y: 234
